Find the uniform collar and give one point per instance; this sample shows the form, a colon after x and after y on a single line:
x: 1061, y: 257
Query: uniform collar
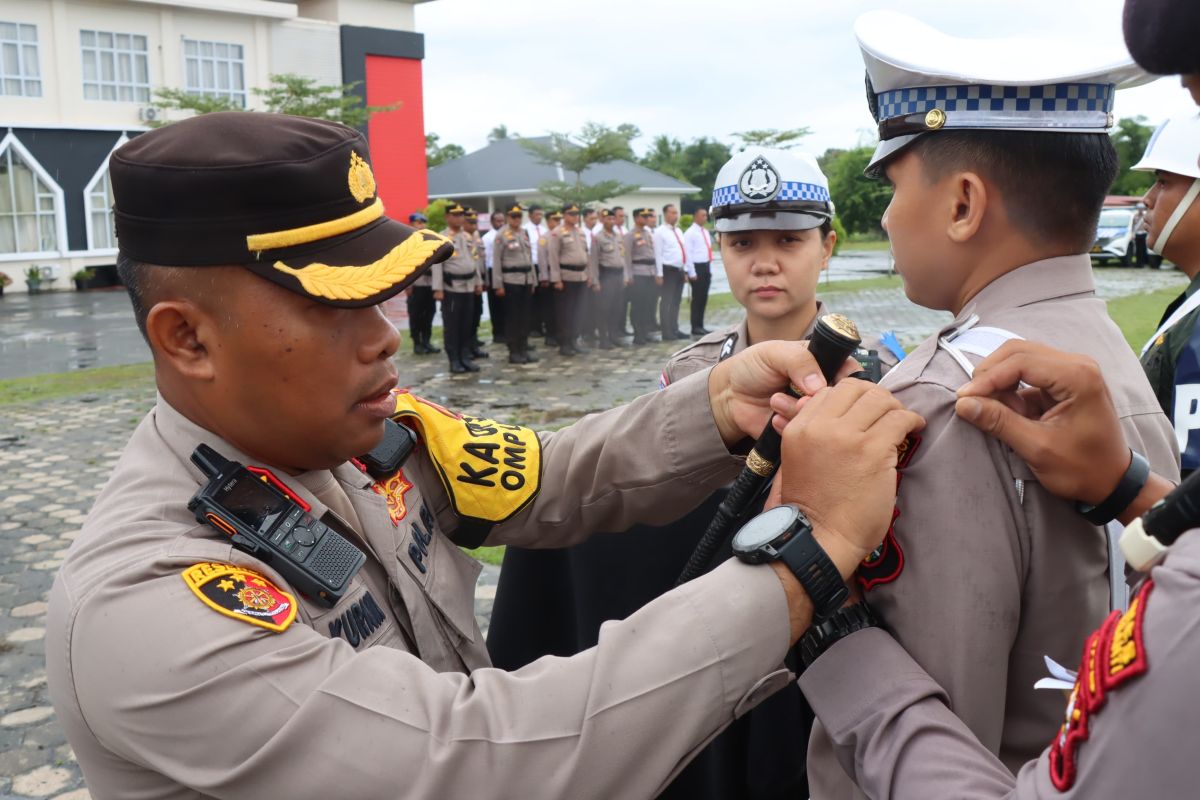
x: 1048, y: 279
x: 743, y: 328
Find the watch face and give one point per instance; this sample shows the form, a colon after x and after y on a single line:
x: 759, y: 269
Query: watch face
x: 764, y: 529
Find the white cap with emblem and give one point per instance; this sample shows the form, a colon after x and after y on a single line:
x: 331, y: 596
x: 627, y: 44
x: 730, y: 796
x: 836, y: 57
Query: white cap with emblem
x: 766, y: 189
x: 921, y: 80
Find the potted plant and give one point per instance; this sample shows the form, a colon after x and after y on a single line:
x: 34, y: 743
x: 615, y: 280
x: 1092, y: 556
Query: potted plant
x: 33, y: 279
x: 83, y: 276
x: 4, y: 281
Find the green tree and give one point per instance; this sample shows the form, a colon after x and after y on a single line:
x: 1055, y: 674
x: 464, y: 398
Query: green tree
x: 860, y: 201
x: 286, y: 94
x: 1130, y: 140
x: 771, y: 137
x: 697, y: 162
x: 594, y: 144
x: 435, y: 212
x: 436, y: 153
x: 501, y: 132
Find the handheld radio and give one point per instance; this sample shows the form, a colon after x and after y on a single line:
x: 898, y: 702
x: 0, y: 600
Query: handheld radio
x: 263, y: 519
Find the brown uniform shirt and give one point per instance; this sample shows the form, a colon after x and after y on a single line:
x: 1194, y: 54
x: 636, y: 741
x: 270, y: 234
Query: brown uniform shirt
x: 608, y: 252
x: 895, y: 734
x: 568, y: 248
x: 986, y: 572
x: 639, y: 252
x: 460, y: 272
x: 162, y: 696
x: 511, y: 258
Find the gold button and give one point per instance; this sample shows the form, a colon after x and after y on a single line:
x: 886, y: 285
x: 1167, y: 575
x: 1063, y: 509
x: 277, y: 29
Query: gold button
x: 935, y: 119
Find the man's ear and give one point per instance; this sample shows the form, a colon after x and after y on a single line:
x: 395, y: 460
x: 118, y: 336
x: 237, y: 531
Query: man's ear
x: 180, y: 334
x: 968, y: 199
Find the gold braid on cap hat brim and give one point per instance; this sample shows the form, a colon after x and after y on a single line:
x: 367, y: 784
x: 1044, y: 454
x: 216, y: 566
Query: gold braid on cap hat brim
x: 361, y: 282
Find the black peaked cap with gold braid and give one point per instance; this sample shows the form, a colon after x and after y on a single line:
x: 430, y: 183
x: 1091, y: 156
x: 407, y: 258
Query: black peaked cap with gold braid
x: 290, y: 198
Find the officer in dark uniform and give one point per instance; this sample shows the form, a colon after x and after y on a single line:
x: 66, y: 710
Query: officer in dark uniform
x: 456, y: 283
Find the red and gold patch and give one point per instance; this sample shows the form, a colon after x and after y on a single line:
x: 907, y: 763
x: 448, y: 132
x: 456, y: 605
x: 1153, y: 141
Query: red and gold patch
x: 887, y: 562
x: 1112, y: 655
x: 242, y: 594
x: 393, y: 490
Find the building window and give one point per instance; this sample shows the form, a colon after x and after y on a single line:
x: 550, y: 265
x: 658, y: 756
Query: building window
x: 98, y: 200
x: 19, y: 73
x: 29, y: 203
x: 215, y: 69
x: 115, y: 66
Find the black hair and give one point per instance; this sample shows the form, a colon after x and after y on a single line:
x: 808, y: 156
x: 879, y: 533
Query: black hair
x: 615, y: 209
x: 668, y: 205
x: 495, y: 214
x: 133, y: 275
x: 534, y: 208
x: 147, y: 283
x: 1052, y: 185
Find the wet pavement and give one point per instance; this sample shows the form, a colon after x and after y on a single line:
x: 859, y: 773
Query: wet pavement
x: 63, y: 331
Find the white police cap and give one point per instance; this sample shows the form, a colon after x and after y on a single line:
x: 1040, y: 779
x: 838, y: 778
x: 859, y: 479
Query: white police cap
x: 921, y: 80
x: 1174, y: 147
x: 766, y: 189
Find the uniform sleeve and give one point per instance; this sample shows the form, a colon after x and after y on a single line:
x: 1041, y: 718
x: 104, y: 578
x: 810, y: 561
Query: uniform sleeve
x: 236, y: 712
x: 497, y: 262
x: 895, y: 735
x: 638, y: 463
x: 437, y: 278
x: 553, y: 246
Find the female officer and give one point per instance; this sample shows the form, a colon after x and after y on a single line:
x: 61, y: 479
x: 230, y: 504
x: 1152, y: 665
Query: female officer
x: 1171, y: 357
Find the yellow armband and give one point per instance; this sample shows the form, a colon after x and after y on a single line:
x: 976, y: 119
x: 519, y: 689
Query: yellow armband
x: 490, y: 470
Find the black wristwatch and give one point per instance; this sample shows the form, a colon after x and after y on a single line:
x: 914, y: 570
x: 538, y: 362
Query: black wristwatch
x: 785, y: 534
x: 821, y: 636
x: 1129, y: 487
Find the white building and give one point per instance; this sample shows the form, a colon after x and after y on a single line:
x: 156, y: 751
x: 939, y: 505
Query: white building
x: 77, y: 79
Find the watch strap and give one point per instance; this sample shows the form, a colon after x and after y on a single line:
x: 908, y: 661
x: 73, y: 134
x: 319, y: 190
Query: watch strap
x: 1128, y: 488
x: 823, y: 635
x: 814, y: 569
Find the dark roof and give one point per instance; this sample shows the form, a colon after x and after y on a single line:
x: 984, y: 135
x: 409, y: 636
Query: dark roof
x: 505, y: 167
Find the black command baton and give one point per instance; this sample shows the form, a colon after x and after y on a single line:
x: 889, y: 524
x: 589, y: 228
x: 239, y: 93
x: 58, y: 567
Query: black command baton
x: 833, y: 340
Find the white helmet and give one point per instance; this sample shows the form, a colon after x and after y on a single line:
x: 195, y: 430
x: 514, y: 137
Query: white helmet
x: 766, y: 189
x: 1174, y: 147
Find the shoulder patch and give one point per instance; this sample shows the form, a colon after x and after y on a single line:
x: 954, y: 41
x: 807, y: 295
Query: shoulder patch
x: 1112, y: 655
x: 242, y: 594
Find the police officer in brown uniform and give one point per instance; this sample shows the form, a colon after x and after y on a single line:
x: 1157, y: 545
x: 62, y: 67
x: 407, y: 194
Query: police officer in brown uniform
x: 256, y: 276
x: 456, y: 283
x: 471, y: 226
x: 639, y: 259
x: 571, y: 277
x: 979, y: 607
x: 514, y: 279
x: 607, y: 263
x: 545, y: 299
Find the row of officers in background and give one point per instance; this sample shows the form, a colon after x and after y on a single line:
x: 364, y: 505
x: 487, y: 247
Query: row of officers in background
x: 573, y: 276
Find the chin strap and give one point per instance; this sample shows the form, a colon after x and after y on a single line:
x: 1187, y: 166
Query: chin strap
x: 1160, y: 243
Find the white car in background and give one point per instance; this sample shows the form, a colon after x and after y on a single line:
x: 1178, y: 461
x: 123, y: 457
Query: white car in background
x: 1114, y: 236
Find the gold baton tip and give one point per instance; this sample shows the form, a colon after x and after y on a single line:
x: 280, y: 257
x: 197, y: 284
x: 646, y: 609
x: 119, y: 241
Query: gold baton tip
x: 759, y: 465
x: 842, y: 324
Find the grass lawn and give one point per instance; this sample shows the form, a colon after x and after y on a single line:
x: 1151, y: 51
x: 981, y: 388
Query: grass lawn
x: 1138, y: 315
x: 37, y: 388
x: 726, y: 300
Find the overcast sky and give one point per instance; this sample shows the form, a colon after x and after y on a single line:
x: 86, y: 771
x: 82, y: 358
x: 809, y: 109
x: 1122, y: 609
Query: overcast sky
x: 705, y: 67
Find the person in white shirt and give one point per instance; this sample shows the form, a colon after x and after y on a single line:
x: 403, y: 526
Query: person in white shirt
x: 698, y: 244
x: 495, y: 303
x: 674, y: 266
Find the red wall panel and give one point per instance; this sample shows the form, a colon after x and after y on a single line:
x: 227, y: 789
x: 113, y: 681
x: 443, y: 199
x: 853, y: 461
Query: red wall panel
x: 397, y: 137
